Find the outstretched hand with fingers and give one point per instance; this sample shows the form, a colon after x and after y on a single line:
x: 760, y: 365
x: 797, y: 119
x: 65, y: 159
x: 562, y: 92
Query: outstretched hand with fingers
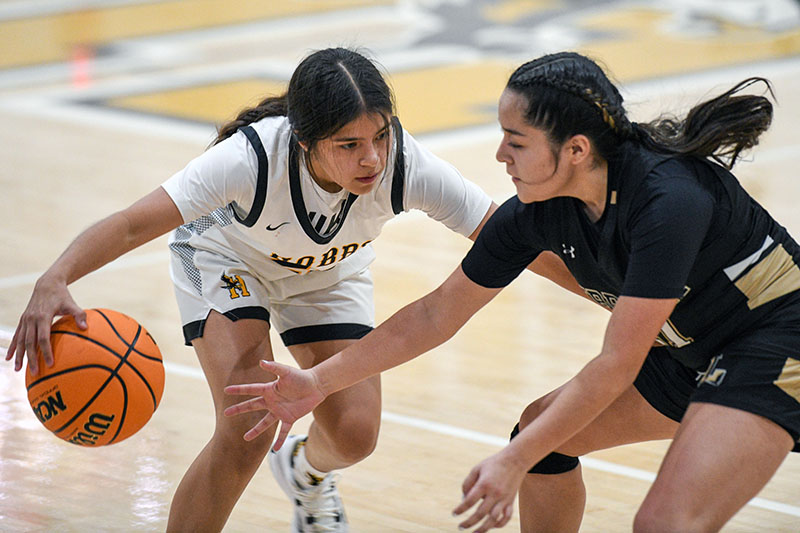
x: 294, y: 394
x: 493, y: 485
x: 50, y: 298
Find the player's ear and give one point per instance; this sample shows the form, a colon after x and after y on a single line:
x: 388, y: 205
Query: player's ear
x: 302, y: 144
x: 579, y: 147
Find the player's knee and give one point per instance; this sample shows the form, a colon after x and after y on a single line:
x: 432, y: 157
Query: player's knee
x: 355, y: 439
x: 660, y: 517
x: 228, y: 440
x: 554, y: 463
x: 532, y: 411
x: 536, y: 408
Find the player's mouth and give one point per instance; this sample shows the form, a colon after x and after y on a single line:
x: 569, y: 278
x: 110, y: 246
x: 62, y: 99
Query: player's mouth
x: 367, y: 180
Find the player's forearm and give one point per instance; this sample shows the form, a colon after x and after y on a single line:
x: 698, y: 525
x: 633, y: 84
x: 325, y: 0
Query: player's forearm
x: 101, y: 243
x: 410, y: 332
x: 581, y: 400
x: 93, y: 248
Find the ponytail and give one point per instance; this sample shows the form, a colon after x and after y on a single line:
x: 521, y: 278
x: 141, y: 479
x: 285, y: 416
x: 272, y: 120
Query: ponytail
x: 720, y: 128
x: 271, y: 106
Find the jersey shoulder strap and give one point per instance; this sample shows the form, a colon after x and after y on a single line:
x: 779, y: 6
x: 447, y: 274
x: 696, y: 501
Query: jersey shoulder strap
x: 261, y: 182
x: 399, y: 176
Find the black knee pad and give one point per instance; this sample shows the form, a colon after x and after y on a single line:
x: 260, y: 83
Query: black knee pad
x: 555, y: 463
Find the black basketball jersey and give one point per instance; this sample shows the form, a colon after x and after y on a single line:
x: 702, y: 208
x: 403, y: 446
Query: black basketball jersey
x: 673, y: 227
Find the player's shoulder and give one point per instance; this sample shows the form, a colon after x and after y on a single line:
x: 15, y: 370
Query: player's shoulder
x: 516, y: 212
x: 644, y: 173
x: 273, y: 132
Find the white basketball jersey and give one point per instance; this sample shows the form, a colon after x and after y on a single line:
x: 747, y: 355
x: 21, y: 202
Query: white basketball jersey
x: 252, y: 198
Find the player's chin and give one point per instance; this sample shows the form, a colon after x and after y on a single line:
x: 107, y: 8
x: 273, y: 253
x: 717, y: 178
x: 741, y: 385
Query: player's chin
x: 525, y: 196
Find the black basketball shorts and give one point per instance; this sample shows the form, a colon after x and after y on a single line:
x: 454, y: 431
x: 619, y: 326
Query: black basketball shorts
x: 759, y: 372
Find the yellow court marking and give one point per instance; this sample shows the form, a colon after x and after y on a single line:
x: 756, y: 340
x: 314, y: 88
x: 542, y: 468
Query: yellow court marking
x: 53, y: 38
x: 447, y: 97
x: 428, y: 100
x: 640, y: 47
x: 216, y: 103
x: 510, y: 10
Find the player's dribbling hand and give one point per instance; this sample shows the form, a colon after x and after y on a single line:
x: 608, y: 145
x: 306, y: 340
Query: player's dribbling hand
x: 294, y: 394
x: 493, y: 485
x: 50, y: 298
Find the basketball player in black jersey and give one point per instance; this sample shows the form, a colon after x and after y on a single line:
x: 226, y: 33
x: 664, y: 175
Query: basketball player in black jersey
x: 702, y: 284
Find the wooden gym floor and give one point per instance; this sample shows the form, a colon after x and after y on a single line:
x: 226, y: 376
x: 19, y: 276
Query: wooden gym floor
x: 99, y: 105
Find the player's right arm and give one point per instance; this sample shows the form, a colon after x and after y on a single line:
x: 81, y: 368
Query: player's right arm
x: 413, y: 330
x: 148, y: 218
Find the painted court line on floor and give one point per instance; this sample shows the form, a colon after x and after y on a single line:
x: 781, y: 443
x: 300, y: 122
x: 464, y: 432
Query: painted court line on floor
x: 475, y: 436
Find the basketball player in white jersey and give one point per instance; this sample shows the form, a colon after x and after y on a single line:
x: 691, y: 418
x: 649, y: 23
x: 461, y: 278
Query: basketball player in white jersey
x: 274, y: 224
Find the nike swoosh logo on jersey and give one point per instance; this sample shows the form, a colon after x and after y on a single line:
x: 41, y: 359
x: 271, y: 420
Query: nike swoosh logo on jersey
x: 270, y: 228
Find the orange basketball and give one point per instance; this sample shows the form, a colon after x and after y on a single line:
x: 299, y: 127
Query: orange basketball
x: 106, y: 382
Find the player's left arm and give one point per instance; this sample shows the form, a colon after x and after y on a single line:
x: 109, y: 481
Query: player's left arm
x: 631, y: 331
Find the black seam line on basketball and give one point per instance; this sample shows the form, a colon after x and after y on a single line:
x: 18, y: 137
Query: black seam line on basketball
x: 122, y: 362
x: 131, y: 346
x: 149, y: 357
x: 81, y: 336
x: 111, y: 375
x: 67, y: 371
x: 115, y: 354
x: 124, y: 409
x: 114, y: 374
x: 120, y: 337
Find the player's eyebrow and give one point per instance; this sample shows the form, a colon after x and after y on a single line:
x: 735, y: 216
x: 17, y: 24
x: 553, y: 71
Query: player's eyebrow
x: 350, y: 139
x: 513, y: 132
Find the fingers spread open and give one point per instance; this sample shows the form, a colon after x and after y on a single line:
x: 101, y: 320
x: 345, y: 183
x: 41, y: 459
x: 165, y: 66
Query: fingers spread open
x: 263, y: 425
x: 253, y: 404
x: 247, y: 389
x: 282, y: 434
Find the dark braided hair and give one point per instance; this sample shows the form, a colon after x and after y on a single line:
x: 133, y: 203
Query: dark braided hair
x: 328, y: 89
x: 569, y: 94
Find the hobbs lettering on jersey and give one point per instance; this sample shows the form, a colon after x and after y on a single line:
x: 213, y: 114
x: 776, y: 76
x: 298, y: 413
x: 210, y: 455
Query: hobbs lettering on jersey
x: 303, y: 264
x: 669, y: 334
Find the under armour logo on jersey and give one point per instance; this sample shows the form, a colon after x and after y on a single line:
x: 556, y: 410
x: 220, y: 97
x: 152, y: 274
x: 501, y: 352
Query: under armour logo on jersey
x: 568, y: 251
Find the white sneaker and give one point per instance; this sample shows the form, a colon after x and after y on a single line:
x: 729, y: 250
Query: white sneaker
x: 317, y: 505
